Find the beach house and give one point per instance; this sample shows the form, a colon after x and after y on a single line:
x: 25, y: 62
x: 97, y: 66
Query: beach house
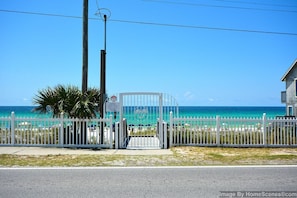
x: 289, y: 97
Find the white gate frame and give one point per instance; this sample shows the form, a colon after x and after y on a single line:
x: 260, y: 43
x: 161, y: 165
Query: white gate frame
x: 122, y: 139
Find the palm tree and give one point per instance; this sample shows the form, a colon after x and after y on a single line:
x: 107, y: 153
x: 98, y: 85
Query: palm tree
x: 68, y: 100
x: 72, y: 103
x: 46, y: 99
x: 87, y: 104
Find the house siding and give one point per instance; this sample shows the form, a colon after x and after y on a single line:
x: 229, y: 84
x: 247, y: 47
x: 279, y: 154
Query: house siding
x: 291, y: 99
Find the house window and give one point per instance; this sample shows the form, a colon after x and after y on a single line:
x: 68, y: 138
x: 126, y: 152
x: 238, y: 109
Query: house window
x: 283, y: 96
x: 290, y: 110
x: 295, y: 86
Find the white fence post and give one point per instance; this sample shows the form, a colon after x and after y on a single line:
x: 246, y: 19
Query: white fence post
x: 218, y: 120
x: 170, y: 130
x: 116, y: 135
x: 61, y: 138
x: 111, y: 132
x: 12, y: 121
x: 264, y: 130
x: 161, y: 119
x: 165, y: 135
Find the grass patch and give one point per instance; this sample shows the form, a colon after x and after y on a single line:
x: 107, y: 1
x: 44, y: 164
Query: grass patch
x: 182, y: 156
x: 216, y: 156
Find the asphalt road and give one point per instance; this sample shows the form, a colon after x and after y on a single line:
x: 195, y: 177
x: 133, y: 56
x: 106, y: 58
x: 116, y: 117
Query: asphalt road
x: 143, y: 182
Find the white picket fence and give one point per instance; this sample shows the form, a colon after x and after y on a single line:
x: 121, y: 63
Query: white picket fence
x: 181, y: 131
x: 233, y: 132
x: 56, y: 132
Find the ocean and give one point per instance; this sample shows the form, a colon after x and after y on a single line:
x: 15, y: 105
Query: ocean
x: 231, y: 111
x: 187, y: 111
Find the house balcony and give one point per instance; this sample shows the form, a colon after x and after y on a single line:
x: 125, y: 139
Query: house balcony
x: 283, y: 97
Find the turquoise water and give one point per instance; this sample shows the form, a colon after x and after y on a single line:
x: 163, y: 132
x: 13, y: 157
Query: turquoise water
x: 192, y: 111
x: 149, y: 115
x: 21, y: 111
x: 230, y: 111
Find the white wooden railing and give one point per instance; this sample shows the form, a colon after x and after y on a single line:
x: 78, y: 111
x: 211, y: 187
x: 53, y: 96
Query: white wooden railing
x: 56, y: 132
x: 233, y: 132
x: 195, y: 131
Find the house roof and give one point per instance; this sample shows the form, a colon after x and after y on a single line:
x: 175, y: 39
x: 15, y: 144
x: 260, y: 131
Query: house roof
x: 289, y: 70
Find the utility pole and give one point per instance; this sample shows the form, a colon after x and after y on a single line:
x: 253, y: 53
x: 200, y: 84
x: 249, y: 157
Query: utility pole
x: 85, y: 47
x: 103, y: 73
x: 103, y: 80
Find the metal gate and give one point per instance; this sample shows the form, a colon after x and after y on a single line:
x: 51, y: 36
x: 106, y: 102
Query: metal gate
x: 143, y: 119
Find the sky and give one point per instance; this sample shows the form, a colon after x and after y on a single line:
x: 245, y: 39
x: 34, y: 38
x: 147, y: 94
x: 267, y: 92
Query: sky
x: 202, y: 52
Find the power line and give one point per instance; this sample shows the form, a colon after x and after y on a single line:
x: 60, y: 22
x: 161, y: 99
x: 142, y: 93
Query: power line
x: 101, y: 12
x: 217, y: 6
x: 204, y: 27
x: 41, y: 14
x: 257, y: 3
x: 157, y: 24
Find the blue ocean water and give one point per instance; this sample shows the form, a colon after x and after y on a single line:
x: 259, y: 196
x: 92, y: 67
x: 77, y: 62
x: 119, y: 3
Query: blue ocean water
x: 192, y: 111
x: 21, y: 111
x: 231, y: 111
